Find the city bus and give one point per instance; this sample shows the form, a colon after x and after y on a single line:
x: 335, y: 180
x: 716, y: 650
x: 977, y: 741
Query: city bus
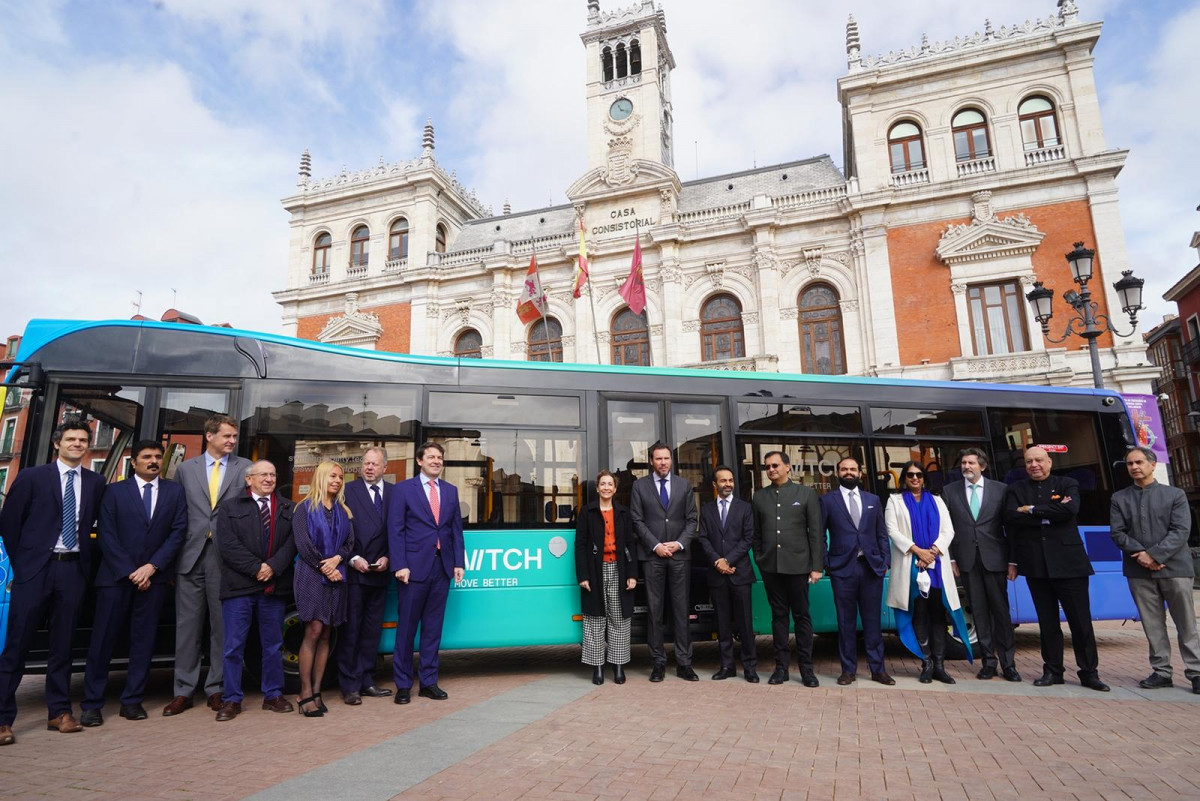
x: 524, y: 441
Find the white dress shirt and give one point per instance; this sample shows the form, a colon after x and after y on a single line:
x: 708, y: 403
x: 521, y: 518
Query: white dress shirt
x: 63, y: 469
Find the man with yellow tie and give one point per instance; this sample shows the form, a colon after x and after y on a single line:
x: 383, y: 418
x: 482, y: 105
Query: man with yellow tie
x: 208, y: 480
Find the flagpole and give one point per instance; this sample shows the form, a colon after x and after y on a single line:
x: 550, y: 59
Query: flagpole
x: 645, y: 311
x: 595, y: 324
x: 542, y: 307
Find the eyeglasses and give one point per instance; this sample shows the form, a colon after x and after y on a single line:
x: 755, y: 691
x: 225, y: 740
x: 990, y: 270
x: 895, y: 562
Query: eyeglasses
x: 261, y: 475
x: 911, y: 474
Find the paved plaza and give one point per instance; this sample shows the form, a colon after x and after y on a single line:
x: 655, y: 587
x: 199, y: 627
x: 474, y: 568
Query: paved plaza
x: 528, y: 723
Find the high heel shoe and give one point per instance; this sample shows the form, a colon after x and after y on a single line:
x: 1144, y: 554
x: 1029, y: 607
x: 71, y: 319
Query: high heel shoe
x: 598, y: 674
x: 309, y: 713
x: 320, y: 704
x: 619, y: 674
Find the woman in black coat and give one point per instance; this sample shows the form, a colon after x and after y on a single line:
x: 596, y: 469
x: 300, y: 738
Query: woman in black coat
x: 607, y: 572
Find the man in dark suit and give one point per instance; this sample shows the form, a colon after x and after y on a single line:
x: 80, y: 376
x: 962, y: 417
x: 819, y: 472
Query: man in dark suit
x: 143, y: 520
x: 425, y: 546
x: 367, y: 580
x: 979, y: 555
x: 726, y: 531
x: 789, y: 549
x: 208, y: 480
x: 664, y: 520
x: 858, y: 558
x: 47, y: 523
x: 254, y: 541
x: 1047, y: 550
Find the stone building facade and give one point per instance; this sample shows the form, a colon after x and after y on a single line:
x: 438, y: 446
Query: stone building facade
x: 970, y: 168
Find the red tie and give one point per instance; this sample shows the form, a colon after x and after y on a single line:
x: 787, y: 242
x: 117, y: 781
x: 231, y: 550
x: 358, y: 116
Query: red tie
x: 435, y: 506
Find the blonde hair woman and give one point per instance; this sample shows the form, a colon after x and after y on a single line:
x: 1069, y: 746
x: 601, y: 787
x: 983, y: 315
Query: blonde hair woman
x: 324, y: 540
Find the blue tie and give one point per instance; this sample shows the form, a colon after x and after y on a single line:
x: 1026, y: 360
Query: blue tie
x: 70, y: 526
x: 148, y: 498
x: 662, y: 493
x: 378, y: 500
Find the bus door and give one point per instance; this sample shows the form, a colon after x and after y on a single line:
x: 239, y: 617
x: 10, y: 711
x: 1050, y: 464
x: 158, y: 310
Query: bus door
x: 182, y: 413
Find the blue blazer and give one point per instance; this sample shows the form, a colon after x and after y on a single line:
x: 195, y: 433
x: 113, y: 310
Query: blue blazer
x: 31, y: 520
x: 129, y: 540
x: 370, y: 531
x: 413, y: 534
x: 846, y: 540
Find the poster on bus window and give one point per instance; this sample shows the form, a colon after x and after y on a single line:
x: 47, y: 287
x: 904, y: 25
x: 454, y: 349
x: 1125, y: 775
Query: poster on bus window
x: 1147, y: 424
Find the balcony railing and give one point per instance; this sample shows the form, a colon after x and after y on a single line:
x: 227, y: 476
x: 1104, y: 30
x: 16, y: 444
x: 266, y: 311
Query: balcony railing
x: 317, y: 279
x: 1044, y: 155
x: 910, y: 178
x: 395, y: 265
x: 977, y: 166
x: 1191, y: 352
x: 356, y: 270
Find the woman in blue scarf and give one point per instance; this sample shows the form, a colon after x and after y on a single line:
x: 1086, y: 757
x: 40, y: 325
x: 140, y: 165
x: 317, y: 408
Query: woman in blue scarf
x: 921, y: 587
x: 324, y: 540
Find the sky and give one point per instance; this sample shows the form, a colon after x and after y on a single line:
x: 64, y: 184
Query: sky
x: 145, y: 144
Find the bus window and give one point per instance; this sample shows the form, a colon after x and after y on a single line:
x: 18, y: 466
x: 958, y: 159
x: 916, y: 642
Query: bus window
x: 513, y: 478
x: 799, y: 417
x: 182, y: 414
x: 931, y: 422
x: 1072, y: 439
x: 813, y: 459
x: 633, y: 426
x: 489, y: 408
x: 308, y: 453
x: 696, y: 444
x: 939, y: 458
x: 114, y: 414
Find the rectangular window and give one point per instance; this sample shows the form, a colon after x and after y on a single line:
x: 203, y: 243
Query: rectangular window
x: 996, y: 318
x: 927, y: 422
x: 477, y: 408
x: 117, y: 412
x: 3, y: 484
x: 97, y: 465
x: 938, y: 459
x: 813, y: 460
x: 799, y: 417
x: 10, y: 434
x: 696, y: 444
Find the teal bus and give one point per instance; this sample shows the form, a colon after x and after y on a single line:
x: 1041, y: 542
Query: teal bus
x: 524, y: 439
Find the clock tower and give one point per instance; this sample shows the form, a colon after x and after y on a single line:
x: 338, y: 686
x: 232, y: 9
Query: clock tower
x: 628, y: 90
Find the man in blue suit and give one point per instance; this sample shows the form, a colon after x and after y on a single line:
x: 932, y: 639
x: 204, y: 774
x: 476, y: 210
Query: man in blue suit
x: 367, y: 580
x: 46, y: 525
x: 857, y: 561
x: 425, y: 545
x: 143, y: 520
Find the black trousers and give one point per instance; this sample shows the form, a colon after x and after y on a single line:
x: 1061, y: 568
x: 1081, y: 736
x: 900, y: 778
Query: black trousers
x: 788, y: 595
x: 358, y: 637
x: 1072, y: 595
x: 929, y: 624
x: 660, y: 573
x: 988, y: 594
x: 732, y: 603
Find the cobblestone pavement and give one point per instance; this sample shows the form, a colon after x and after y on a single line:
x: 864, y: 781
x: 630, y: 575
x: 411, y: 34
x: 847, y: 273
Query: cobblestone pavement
x: 977, y: 739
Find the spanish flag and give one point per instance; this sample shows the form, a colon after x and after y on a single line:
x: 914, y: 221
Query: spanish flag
x: 581, y: 266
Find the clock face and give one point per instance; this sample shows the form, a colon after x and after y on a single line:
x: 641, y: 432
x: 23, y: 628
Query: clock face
x: 621, y: 109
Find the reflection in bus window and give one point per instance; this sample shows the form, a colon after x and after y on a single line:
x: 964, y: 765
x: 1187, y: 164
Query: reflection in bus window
x: 513, y: 478
x: 633, y: 426
x: 114, y: 414
x: 939, y: 458
x: 182, y: 414
x: 927, y: 422
x: 314, y: 408
x: 696, y: 445
x: 484, y: 408
x: 799, y: 417
x: 814, y: 460
x: 308, y: 453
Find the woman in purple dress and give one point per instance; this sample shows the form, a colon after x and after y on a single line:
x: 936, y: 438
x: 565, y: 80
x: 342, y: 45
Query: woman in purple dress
x: 324, y: 539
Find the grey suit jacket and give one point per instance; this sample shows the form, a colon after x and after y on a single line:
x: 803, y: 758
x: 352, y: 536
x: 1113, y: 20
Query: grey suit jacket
x: 1162, y: 531
x: 652, y: 524
x: 978, y: 541
x: 202, y: 517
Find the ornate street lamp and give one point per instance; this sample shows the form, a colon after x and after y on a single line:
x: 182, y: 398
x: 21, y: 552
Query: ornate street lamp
x: 1087, y: 323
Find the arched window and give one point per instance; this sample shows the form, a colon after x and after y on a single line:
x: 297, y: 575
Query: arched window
x: 622, y: 61
x: 321, y: 254
x: 360, y: 241
x: 904, y: 147
x: 635, y: 58
x: 970, y: 135
x: 606, y: 63
x: 1038, y: 126
x: 822, y: 350
x: 439, y: 240
x: 721, y: 332
x: 630, y: 339
x: 469, y: 345
x: 542, y: 348
x: 398, y: 240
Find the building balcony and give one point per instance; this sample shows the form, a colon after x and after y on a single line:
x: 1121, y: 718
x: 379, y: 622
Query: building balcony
x: 1191, y: 353
x: 900, y: 180
x: 358, y: 270
x: 395, y: 265
x: 976, y: 166
x: 318, y: 279
x: 1045, y: 155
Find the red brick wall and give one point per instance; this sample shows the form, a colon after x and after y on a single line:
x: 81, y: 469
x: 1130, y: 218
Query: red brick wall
x: 925, y: 316
x: 395, y: 319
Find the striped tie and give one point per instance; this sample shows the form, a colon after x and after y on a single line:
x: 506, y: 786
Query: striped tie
x: 264, y: 511
x: 70, y: 526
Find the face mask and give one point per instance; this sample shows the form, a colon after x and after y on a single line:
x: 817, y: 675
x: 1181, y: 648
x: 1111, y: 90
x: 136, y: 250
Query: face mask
x: 848, y: 482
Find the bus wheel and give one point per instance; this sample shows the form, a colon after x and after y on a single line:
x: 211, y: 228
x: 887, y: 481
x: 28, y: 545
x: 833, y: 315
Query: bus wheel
x: 955, y: 647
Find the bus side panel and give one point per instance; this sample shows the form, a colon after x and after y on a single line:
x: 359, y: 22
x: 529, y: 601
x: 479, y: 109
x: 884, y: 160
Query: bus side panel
x: 1108, y: 590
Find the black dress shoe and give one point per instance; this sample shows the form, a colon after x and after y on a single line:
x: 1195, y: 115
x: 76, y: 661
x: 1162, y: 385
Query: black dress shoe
x: 724, y: 673
x: 1155, y: 682
x: 373, y: 691
x: 988, y: 672
x: 133, y: 712
x: 658, y: 672
x: 598, y: 674
x: 435, y: 692
x: 845, y: 679
x: 91, y: 717
x: 752, y: 676
x: 618, y: 674
x: 1011, y: 674
x: 1196, y: 685
x: 403, y: 695
x: 940, y: 674
x: 778, y: 676
x: 686, y: 673
x: 809, y: 679
x: 883, y: 678
x: 352, y: 699
x: 1047, y: 679
x: 1094, y: 683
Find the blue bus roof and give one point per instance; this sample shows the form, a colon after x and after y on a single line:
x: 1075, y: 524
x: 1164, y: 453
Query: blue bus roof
x: 40, y: 332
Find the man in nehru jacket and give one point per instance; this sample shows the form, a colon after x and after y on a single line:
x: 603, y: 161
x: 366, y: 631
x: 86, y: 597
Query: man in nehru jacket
x: 726, y: 532
x: 789, y: 549
x: 1150, y: 523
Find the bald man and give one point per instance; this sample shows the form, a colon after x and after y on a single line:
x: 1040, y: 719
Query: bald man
x: 1040, y: 517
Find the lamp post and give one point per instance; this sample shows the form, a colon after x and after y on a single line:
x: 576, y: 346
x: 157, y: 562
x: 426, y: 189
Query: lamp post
x: 1087, y: 323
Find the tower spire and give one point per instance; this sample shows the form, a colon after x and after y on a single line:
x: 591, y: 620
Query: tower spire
x: 305, y: 168
x: 427, y: 139
x: 853, y: 48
